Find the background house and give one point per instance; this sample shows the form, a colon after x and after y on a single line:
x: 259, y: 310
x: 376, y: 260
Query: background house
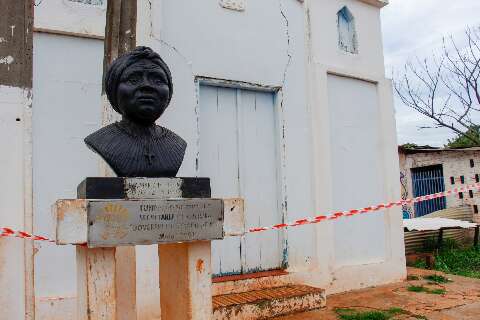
x: 430, y: 170
x: 282, y: 102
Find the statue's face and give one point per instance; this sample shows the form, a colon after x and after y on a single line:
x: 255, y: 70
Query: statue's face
x: 143, y: 92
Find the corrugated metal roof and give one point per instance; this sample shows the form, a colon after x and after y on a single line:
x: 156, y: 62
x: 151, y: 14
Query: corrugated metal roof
x: 432, y: 149
x: 415, y: 240
x: 427, y: 224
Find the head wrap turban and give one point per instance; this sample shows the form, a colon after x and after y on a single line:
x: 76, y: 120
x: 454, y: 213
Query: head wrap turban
x: 119, y: 65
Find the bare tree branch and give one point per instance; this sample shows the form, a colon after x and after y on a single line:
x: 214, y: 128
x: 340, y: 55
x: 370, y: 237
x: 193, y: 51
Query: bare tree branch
x: 446, y: 88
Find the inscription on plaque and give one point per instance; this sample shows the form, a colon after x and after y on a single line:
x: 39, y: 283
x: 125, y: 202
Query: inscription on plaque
x: 161, y: 188
x: 134, y: 222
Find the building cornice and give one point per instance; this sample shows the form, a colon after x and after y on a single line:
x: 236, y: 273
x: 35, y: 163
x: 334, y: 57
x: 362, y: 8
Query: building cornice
x: 376, y: 3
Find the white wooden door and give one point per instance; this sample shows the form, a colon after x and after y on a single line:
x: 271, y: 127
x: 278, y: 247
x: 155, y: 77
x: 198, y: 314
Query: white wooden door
x: 238, y: 151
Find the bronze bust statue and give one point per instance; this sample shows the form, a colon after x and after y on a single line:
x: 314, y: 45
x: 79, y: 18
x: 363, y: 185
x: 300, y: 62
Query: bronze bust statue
x: 139, y: 87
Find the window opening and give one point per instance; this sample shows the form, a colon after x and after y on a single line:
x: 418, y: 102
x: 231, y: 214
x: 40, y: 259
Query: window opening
x: 462, y: 179
x: 428, y: 180
x: 470, y: 193
x: 477, y: 178
x: 347, y: 34
x: 460, y: 195
x: 475, y: 208
x: 452, y: 180
x: 472, y: 163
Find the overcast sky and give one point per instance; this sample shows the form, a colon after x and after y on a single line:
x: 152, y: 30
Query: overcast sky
x: 415, y: 28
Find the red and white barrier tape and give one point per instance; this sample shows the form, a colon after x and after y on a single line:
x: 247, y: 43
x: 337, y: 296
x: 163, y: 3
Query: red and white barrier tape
x: 8, y: 232
x: 336, y: 215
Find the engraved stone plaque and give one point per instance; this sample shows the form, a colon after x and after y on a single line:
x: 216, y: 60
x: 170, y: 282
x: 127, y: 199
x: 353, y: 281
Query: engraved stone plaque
x: 136, y: 222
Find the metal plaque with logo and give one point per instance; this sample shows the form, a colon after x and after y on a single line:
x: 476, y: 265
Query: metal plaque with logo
x: 136, y: 222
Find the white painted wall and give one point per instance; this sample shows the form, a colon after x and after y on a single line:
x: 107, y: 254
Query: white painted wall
x: 15, y: 104
x: 370, y: 175
x: 294, y: 50
x: 203, y: 39
x: 67, y: 75
x: 69, y: 16
x: 357, y: 182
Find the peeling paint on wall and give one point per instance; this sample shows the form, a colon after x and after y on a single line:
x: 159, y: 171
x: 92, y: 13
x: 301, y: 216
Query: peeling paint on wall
x: 90, y: 2
x: 237, y: 5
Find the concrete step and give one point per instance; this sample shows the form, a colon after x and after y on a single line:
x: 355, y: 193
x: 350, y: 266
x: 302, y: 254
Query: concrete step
x: 251, y: 282
x: 267, y: 303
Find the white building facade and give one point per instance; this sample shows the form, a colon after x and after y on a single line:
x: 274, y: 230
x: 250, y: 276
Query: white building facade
x: 282, y: 102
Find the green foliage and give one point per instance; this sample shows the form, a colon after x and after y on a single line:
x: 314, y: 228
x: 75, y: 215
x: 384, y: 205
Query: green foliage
x: 351, y: 314
x: 420, y: 264
x: 461, y: 141
x: 435, y: 278
x: 425, y: 289
x: 430, y: 244
x: 460, y: 261
x: 409, y: 146
x: 437, y: 291
x: 416, y: 288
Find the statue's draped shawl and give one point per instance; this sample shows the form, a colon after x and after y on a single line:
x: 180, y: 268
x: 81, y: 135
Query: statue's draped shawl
x: 156, y: 154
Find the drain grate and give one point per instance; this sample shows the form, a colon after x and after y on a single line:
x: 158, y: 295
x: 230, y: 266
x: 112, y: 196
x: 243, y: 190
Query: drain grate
x: 278, y: 293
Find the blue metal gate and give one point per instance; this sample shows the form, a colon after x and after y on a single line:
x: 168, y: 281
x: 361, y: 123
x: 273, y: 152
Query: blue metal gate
x: 428, y: 180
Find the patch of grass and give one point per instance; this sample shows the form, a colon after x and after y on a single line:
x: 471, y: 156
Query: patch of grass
x: 350, y: 314
x: 437, y: 291
x: 420, y: 264
x: 426, y: 290
x: 453, y: 258
x: 435, y: 278
x: 460, y: 261
x: 416, y: 288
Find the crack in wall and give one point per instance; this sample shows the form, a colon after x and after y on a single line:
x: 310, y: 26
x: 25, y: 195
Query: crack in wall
x: 165, y: 43
x: 287, y: 33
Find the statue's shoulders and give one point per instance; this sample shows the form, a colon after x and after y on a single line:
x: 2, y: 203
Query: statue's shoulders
x: 102, y: 138
x: 169, y: 135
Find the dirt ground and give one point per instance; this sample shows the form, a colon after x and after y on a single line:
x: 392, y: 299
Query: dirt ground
x: 460, y: 301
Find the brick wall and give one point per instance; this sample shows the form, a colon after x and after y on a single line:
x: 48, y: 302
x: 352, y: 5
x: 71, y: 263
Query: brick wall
x: 455, y: 165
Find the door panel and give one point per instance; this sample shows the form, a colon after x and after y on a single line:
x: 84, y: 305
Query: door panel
x: 238, y: 152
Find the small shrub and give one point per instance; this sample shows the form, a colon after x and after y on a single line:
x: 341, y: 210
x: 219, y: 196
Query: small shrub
x: 412, y: 277
x: 435, y: 278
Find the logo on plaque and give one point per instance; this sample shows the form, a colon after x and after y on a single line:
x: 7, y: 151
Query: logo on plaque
x: 114, y: 217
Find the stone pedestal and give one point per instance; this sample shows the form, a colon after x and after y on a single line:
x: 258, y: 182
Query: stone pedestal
x: 113, y: 212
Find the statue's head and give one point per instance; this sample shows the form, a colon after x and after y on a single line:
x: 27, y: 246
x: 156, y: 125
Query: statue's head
x: 139, y: 85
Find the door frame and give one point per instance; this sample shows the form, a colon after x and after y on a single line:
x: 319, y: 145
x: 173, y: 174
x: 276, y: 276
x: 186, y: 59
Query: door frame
x: 280, y: 139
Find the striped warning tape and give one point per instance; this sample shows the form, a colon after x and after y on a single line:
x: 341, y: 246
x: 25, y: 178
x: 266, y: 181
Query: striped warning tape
x: 349, y: 213
x: 8, y: 232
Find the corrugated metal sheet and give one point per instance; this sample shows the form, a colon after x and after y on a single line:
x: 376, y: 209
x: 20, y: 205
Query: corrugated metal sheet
x: 415, y: 240
x: 427, y: 224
